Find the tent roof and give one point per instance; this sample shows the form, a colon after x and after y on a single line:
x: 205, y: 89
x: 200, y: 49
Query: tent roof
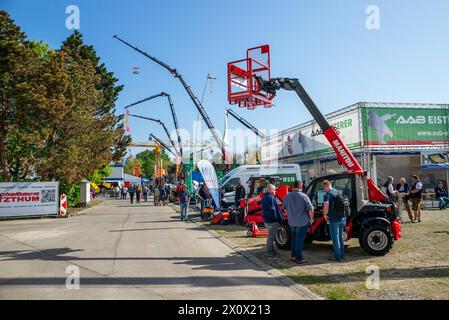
x: 131, y: 178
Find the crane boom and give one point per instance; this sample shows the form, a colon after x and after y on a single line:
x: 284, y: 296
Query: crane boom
x: 248, y: 125
x: 163, y: 126
x: 175, y: 120
x: 194, y: 99
x: 143, y: 100
x: 344, y: 155
x: 173, y: 112
x: 162, y: 144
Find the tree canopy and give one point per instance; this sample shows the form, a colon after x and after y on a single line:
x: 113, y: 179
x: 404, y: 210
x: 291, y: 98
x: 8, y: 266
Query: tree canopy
x: 146, y: 160
x: 57, y: 109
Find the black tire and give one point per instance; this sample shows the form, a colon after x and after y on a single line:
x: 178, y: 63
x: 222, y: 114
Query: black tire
x: 282, y: 237
x: 376, y: 240
x: 249, y: 233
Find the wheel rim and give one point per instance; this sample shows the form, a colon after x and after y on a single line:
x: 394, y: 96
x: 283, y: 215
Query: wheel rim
x: 377, y: 240
x: 281, y: 236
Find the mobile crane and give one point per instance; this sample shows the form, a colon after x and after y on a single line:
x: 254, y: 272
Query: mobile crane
x: 194, y: 99
x: 173, y: 112
x: 374, y: 219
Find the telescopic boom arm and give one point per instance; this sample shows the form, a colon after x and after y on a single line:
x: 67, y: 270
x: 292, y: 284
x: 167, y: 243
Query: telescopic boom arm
x: 344, y: 155
x: 246, y: 123
x: 163, y: 126
x: 173, y: 112
x: 195, y: 100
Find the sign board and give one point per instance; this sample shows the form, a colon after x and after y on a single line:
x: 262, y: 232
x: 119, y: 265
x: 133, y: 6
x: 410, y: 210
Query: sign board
x: 430, y: 160
x: 63, y: 205
x: 29, y: 199
x: 405, y: 126
x: 308, y: 140
x: 116, y: 173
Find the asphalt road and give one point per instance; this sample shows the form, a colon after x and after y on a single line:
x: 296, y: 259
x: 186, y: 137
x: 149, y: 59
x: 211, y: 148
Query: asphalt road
x: 125, y: 251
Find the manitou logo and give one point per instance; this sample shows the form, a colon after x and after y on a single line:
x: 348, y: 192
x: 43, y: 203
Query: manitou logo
x: 343, y: 153
x: 411, y: 120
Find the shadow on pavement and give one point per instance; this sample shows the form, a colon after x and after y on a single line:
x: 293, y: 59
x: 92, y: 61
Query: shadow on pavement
x: 149, y: 229
x: 206, y: 281
x: 233, y: 261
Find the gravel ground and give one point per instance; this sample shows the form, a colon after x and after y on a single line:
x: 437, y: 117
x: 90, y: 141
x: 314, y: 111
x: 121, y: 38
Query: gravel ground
x: 417, y: 267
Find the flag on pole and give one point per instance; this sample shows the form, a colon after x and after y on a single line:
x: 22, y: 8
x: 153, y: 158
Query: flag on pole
x: 128, y: 129
x: 225, y: 133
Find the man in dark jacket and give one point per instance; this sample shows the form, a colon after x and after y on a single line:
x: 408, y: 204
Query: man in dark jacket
x: 131, y: 193
x: 441, y: 195
x: 389, y: 189
x: 204, y: 195
x: 402, y: 186
x: 240, y: 192
x: 272, y: 215
x: 184, y: 199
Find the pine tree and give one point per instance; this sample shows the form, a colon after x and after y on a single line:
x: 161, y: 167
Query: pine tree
x: 19, y: 89
x: 76, y: 48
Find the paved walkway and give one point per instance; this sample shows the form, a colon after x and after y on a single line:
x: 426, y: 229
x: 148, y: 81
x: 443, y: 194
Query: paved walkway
x: 126, y: 251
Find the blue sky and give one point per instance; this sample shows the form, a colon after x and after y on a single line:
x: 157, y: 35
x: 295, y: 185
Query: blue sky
x: 324, y: 43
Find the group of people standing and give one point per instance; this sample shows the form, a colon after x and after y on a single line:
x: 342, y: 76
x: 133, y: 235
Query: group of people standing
x: 413, y: 194
x: 161, y: 194
x: 138, y: 192
x: 300, y: 216
x: 135, y: 191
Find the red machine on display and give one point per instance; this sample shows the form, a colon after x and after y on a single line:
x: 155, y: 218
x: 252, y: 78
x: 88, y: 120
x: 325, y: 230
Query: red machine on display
x: 373, y: 218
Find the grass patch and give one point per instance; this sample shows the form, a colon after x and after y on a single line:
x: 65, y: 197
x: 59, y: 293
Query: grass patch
x: 338, y: 293
x: 311, y: 280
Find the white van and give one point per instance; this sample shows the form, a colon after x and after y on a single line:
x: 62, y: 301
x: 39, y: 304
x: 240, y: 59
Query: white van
x: 287, y: 172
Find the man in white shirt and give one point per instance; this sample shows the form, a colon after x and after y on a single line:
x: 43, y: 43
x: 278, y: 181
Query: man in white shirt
x: 416, y: 197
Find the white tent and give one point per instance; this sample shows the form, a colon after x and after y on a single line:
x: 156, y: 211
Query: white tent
x: 131, y: 179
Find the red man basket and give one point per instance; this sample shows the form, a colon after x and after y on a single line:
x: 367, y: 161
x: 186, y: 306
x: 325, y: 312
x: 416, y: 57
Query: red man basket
x: 243, y: 87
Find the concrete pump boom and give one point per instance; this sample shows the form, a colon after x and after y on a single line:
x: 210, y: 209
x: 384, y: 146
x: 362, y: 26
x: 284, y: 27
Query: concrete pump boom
x: 163, y: 126
x: 246, y: 123
x: 173, y: 112
x: 194, y: 99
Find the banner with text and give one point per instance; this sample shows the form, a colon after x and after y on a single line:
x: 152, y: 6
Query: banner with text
x: 210, y: 178
x: 29, y: 198
x: 405, y: 126
x: 308, y: 140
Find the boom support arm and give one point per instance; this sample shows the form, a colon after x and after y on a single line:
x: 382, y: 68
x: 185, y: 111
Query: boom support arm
x: 163, y: 126
x: 173, y: 112
x: 162, y: 144
x: 344, y: 155
x: 246, y: 123
x: 195, y: 100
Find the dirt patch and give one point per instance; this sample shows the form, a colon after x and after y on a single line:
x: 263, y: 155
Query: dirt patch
x: 417, y: 267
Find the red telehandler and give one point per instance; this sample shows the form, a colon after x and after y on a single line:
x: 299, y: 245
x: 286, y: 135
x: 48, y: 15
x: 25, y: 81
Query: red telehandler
x: 373, y: 220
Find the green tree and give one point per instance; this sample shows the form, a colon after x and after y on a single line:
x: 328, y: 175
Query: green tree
x: 19, y: 70
x: 130, y: 163
x: 107, y: 85
x: 100, y: 174
x: 57, y: 111
x: 147, y: 160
